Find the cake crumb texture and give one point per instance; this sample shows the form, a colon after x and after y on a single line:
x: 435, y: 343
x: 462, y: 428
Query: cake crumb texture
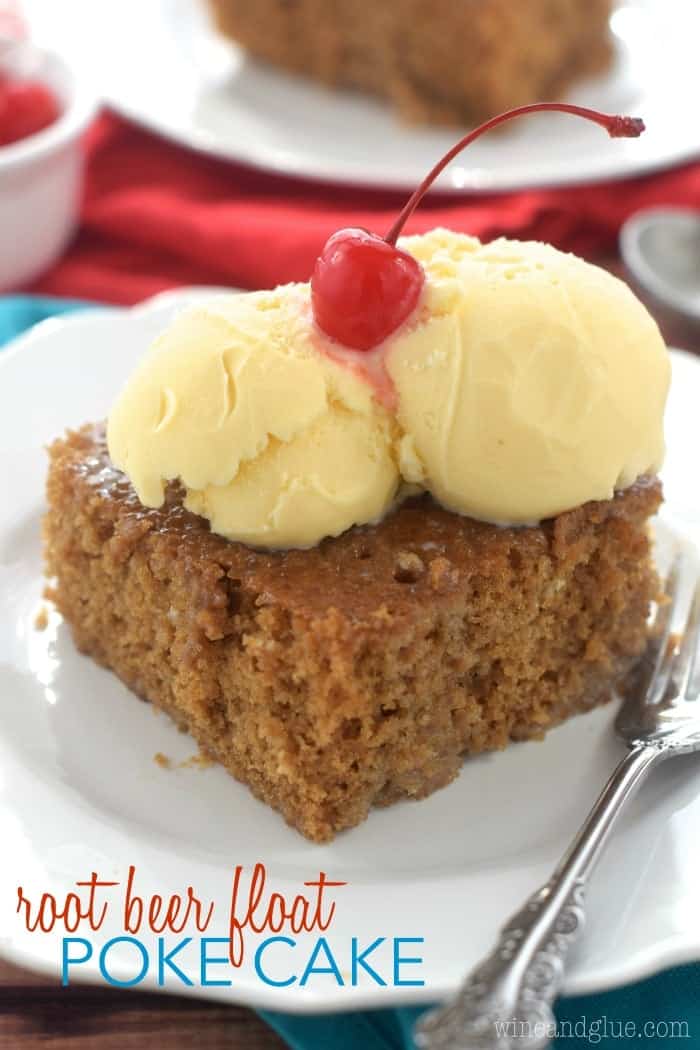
x: 362, y: 671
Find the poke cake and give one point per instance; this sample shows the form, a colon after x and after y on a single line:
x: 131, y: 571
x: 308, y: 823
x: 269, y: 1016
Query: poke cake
x: 348, y: 532
x: 440, y: 62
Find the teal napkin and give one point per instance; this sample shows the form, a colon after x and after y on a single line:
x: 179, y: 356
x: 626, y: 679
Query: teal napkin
x: 19, y: 312
x: 661, y: 1012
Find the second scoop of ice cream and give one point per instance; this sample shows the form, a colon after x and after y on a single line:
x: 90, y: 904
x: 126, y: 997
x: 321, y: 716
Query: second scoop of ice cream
x: 536, y: 383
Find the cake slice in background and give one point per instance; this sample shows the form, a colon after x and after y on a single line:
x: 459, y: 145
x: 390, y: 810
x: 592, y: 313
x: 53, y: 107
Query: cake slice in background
x: 439, y: 62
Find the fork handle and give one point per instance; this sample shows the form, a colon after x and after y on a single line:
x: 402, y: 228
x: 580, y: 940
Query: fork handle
x: 506, y: 1001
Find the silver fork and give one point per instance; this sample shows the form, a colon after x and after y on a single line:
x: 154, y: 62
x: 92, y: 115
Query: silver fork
x: 506, y: 1001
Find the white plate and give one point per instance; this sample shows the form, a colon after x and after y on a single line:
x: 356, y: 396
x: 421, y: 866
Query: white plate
x: 80, y: 791
x: 160, y: 63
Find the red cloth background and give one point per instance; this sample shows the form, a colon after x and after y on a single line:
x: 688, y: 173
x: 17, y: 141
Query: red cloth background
x: 156, y: 215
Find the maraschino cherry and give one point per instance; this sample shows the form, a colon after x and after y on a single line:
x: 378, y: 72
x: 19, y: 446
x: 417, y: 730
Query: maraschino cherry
x: 363, y: 287
x: 26, y: 107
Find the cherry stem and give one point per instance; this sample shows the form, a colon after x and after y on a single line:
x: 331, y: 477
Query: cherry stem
x: 617, y: 127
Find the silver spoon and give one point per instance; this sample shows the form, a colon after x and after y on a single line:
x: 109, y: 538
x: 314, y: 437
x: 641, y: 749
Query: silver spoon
x: 506, y: 1002
x: 661, y: 250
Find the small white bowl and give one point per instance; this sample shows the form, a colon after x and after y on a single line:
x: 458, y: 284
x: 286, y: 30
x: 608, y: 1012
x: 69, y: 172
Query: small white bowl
x: 41, y: 176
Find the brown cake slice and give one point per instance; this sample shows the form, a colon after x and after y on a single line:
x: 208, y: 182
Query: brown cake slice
x: 363, y: 670
x: 443, y: 61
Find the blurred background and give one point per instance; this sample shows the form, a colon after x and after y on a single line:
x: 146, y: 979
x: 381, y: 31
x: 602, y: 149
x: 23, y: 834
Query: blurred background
x: 150, y: 144
x: 224, y: 140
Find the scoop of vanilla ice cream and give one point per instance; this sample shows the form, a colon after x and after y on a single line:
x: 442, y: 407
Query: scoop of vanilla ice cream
x: 275, y: 444
x: 533, y: 382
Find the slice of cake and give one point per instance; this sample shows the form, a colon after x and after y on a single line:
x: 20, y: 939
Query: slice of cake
x: 361, y: 671
x: 347, y: 532
x: 343, y: 571
x: 443, y: 62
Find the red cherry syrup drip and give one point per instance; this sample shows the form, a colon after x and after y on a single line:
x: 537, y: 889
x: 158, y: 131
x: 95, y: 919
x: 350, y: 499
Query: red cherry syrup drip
x: 363, y: 287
